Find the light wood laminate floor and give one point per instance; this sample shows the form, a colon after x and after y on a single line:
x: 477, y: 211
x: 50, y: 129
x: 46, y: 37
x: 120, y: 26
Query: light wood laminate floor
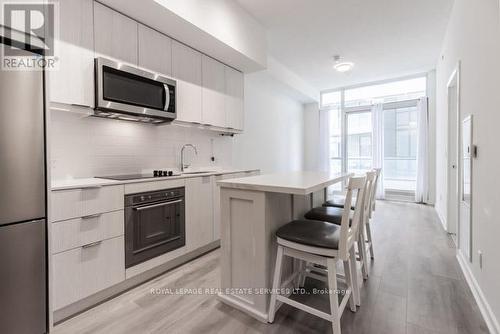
x: 415, y: 286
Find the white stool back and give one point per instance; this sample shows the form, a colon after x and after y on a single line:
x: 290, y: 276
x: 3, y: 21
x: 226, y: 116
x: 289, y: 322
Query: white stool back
x: 348, y: 235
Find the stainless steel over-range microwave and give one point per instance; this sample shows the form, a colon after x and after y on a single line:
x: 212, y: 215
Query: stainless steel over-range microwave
x: 128, y: 93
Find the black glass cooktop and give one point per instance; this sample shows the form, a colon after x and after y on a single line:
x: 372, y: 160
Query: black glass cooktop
x: 134, y: 177
x: 126, y: 177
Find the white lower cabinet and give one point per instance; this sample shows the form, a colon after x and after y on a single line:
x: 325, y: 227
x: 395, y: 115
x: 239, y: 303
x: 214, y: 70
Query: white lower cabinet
x: 74, y: 203
x: 73, y: 233
x: 83, y: 271
x: 199, y: 211
x: 216, y: 198
x: 87, y: 242
x: 88, y: 246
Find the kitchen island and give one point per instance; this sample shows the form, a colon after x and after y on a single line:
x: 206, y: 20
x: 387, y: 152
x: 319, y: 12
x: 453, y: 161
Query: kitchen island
x: 252, y: 209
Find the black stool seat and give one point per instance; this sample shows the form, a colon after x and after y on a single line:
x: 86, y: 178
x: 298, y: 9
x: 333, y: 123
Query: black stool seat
x: 328, y: 214
x: 339, y: 202
x: 311, y: 233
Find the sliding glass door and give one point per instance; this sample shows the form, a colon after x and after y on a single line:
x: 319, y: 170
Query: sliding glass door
x: 359, y: 141
x: 400, y: 149
x: 336, y: 144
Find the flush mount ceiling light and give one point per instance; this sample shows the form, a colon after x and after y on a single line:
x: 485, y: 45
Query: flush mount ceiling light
x: 341, y: 65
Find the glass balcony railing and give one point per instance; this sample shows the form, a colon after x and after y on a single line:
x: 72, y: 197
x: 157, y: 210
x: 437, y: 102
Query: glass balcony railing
x: 400, y: 173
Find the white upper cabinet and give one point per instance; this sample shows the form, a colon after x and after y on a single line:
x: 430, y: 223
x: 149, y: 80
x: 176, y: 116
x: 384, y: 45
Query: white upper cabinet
x: 186, y: 69
x: 208, y: 92
x: 73, y: 81
x: 214, y: 86
x: 155, y: 51
x: 115, y: 35
x: 234, y: 98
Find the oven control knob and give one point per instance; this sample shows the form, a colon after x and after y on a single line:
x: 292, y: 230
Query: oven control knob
x: 142, y: 198
x: 172, y: 193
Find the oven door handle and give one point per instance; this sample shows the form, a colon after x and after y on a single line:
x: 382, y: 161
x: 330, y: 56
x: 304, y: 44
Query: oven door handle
x: 140, y: 208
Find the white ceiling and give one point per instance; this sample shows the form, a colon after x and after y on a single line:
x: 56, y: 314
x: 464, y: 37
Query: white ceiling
x: 384, y: 38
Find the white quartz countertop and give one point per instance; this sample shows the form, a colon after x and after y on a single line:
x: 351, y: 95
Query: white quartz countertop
x: 296, y: 183
x: 93, y: 182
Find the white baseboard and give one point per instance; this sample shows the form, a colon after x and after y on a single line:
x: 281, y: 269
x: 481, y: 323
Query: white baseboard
x: 484, y: 307
x: 442, y: 220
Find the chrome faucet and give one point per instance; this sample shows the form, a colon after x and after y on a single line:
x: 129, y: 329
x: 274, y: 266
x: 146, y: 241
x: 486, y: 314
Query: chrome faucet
x: 183, y: 165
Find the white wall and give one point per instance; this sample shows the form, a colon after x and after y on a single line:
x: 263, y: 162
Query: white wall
x: 431, y: 94
x: 273, y: 137
x: 473, y: 37
x: 84, y: 146
x: 311, y: 137
x: 294, y: 85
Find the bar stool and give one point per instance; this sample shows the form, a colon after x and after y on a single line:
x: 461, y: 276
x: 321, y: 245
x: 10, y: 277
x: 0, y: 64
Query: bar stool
x: 369, y: 240
x: 338, y: 202
x: 323, y: 244
x: 333, y: 214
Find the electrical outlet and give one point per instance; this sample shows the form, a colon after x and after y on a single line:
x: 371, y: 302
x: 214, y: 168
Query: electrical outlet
x: 480, y: 253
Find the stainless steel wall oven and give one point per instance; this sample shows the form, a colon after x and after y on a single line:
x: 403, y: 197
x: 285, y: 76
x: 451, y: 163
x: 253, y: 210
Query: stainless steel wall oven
x: 154, y: 224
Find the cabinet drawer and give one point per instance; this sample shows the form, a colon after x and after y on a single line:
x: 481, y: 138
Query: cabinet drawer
x: 69, y: 234
x: 81, y: 272
x: 74, y: 203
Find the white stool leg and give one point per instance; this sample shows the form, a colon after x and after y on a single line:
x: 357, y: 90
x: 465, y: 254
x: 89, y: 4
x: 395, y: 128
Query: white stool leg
x: 302, y: 275
x: 362, y: 253
x: 354, y: 276
x: 369, y: 238
x: 276, y: 283
x: 334, y: 301
x: 350, y: 286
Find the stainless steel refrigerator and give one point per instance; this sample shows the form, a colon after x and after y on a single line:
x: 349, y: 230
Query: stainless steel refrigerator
x: 23, y: 239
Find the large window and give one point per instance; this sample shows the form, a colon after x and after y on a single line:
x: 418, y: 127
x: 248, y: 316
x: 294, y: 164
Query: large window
x: 351, y: 129
x: 395, y: 91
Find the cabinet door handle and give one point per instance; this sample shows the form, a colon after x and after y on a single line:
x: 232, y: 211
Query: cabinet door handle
x: 95, y: 186
x: 80, y: 105
x: 93, y: 244
x: 91, y: 216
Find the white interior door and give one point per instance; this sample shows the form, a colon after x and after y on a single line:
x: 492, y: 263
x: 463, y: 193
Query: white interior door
x: 465, y: 232
x: 453, y: 157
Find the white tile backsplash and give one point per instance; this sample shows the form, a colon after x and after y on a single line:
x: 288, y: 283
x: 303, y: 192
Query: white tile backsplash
x: 84, y: 146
